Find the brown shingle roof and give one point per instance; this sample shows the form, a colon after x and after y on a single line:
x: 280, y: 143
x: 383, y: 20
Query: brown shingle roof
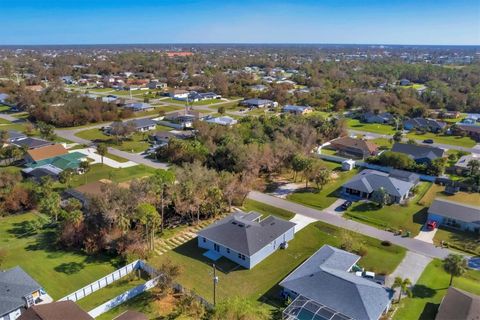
x: 60, y: 310
x: 364, y: 145
x: 458, y: 304
x: 47, y: 152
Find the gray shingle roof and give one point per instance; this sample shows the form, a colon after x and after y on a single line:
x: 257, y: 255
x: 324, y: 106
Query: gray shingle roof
x: 455, y: 210
x: 15, y: 284
x: 371, y: 180
x: 142, y: 123
x: 324, y: 278
x: 239, y: 233
x: 32, y: 143
x: 418, y: 151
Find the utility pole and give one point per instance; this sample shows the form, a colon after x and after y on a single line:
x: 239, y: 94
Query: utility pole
x: 215, y: 281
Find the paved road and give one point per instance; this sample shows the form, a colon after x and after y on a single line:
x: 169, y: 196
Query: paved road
x: 475, y: 149
x: 411, y: 244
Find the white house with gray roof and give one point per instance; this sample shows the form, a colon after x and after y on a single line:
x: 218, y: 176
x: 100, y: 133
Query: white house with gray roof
x: 245, y: 238
x: 323, y: 287
x: 455, y: 215
x: 368, y: 181
x: 18, y: 291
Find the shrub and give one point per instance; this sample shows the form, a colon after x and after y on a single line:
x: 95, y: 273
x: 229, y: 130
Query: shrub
x: 386, y: 243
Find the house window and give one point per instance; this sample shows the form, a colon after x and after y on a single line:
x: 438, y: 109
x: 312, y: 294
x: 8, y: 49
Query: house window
x: 241, y: 256
x: 204, y: 240
x: 216, y: 247
x: 228, y: 250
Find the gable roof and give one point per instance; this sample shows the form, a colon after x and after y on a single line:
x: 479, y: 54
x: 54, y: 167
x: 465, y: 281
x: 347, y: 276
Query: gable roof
x: 455, y: 210
x: 371, y: 180
x: 425, y: 122
x: 46, y: 152
x: 359, y: 144
x: 15, y: 135
x: 32, y: 143
x: 256, y: 102
x: 15, y: 284
x: 293, y: 108
x: 244, y: 236
x: 325, y: 278
x: 418, y: 151
x: 59, y: 310
x: 143, y: 123
x: 459, y: 304
x: 66, y: 161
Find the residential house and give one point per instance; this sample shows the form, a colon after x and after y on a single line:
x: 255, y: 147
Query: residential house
x: 297, y: 110
x: 223, y: 120
x: 57, y: 164
x: 163, y: 137
x: 408, y: 176
x: 364, y: 184
x: 18, y: 291
x: 471, y: 130
x: 60, y: 310
x: 353, y: 147
x: 184, y: 120
x: 37, y: 174
x: 259, y: 88
x: 459, y: 304
x: 155, y: 84
x: 258, y: 103
x: 143, y: 125
x: 424, y: 124
x: 419, y: 153
x: 461, y: 166
x: 245, y: 238
x: 179, y: 94
x: 31, y: 143
x: 138, y: 106
x: 196, y: 96
x: 46, y: 152
x: 13, y: 136
x: 372, y: 117
x: 323, y: 287
x: 455, y: 215
x: 110, y: 99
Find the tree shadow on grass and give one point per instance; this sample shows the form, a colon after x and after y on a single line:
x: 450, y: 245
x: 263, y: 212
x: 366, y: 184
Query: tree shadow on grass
x: 22, y: 230
x: 69, y: 267
x: 421, y: 291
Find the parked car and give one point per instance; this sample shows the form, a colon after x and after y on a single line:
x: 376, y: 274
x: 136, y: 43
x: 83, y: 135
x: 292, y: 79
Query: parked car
x: 431, y: 225
x: 429, y: 141
x: 346, y: 205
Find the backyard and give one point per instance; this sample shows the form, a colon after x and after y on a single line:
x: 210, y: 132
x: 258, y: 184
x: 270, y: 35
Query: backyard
x: 261, y: 282
x: 355, y: 124
x: 409, y: 217
x: 431, y: 288
x: 58, y: 272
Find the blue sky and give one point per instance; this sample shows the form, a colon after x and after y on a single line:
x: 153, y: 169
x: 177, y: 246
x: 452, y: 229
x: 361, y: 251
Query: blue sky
x: 248, y: 21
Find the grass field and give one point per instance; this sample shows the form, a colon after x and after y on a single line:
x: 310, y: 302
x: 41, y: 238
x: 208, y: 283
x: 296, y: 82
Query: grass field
x: 261, y: 282
x: 431, y: 288
x: 466, y: 142
x: 355, y: 124
x: 115, y: 157
x: 266, y: 210
x: 327, y: 196
x: 135, y: 143
x: 58, y: 271
x: 436, y: 191
x: 409, y: 217
x: 99, y: 171
x: 4, y: 108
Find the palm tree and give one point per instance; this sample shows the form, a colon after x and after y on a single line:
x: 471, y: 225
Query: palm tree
x: 404, y: 285
x: 455, y: 265
x: 102, y: 150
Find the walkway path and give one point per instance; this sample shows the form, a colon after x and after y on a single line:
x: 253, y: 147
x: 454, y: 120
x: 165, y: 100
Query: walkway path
x: 408, y: 243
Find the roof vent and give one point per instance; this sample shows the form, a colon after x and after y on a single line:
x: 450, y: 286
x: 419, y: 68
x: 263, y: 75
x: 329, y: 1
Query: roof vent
x: 240, y: 225
x: 233, y: 222
x: 272, y: 223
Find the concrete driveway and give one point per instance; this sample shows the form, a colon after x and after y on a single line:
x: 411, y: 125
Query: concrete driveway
x: 91, y: 153
x: 426, y: 235
x: 334, y: 208
x: 411, y: 267
x: 301, y: 221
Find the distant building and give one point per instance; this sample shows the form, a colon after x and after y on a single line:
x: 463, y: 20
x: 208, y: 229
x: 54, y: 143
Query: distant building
x: 352, y: 147
x: 459, y: 304
x: 143, y: 125
x: 424, y: 124
x: 471, y: 130
x: 419, y: 153
x: 139, y: 106
x: 461, y: 166
x: 371, y: 117
x: 31, y: 143
x: 179, y: 94
x: 223, y: 120
x: 172, y: 54
x: 404, y: 82
x: 46, y: 152
x: 258, y: 103
x: 297, y: 110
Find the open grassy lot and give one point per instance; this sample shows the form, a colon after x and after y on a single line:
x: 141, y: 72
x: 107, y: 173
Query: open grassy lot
x: 137, y: 142
x: 266, y: 210
x: 355, y: 124
x: 436, y: 191
x: 431, y: 288
x: 328, y: 195
x: 409, y: 217
x: 383, y: 143
x: 115, y: 157
x: 466, y: 142
x: 111, y: 291
x: 99, y: 171
x: 58, y: 271
x: 260, y: 283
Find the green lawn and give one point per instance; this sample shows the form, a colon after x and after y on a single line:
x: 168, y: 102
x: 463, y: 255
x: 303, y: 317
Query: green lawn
x: 436, y: 191
x: 167, y: 108
x: 261, y: 282
x: 135, y: 143
x: 431, y: 288
x: 409, y: 217
x: 3, y: 121
x: 58, y: 271
x: 115, y: 157
x: 266, y: 210
x: 466, y: 142
x: 4, y: 108
x: 355, y: 124
x: 328, y: 195
x: 111, y: 291
x: 143, y: 303
x: 99, y: 171
x: 382, y: 143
